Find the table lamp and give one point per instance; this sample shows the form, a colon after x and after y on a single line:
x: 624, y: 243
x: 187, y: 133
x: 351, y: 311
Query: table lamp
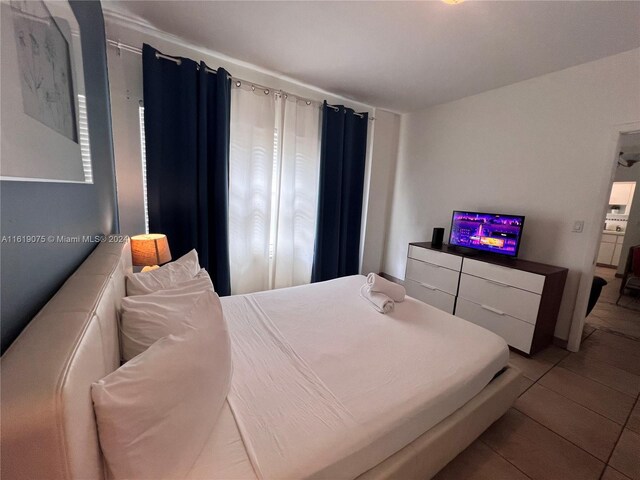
x: 149, y: 250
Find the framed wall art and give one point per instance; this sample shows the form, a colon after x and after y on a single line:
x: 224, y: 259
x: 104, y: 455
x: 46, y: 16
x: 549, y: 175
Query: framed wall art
x: 45, y: 135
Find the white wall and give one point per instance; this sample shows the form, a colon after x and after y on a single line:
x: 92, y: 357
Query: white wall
x: 125, y: 85
x: 541, y: 148
x: 125, y: 73
x: 384, y: 154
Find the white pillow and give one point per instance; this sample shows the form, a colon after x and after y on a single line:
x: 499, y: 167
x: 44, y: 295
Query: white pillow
x: 156, y: 412
x: 184, y: 268
x: 144, y: 319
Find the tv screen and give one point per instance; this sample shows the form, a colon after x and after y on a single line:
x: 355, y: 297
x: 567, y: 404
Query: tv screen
x: 488, y: 232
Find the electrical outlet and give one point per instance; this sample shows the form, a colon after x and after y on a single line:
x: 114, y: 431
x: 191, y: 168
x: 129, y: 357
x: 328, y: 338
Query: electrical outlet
x: 578, y: 226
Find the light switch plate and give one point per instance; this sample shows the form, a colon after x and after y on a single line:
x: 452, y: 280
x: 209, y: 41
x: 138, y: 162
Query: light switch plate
x: 578, y: 226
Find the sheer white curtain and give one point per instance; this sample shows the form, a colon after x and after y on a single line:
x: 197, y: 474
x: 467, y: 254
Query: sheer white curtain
x: 273, y: 189
x: 251, y: 154
x: 298, y: 195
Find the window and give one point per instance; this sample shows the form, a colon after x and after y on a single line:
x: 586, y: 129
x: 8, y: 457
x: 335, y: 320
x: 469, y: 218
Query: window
x: 143, y: 156
x: 85, y: 147
x: 274, y: 197
x: 273, y: 189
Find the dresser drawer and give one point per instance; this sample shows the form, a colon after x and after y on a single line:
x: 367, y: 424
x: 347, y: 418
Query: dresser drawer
x: 436, y: 298
x: 509, y: 276
x: 441, y: 259
x: 516, y: 333
x: 432, y: 276
x: 513, y: 301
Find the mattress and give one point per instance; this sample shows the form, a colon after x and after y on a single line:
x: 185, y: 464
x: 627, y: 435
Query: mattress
x: 224, y: 456
x: 324, y: 386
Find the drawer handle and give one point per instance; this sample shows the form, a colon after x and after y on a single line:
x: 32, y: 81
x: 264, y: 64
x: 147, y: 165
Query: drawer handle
x: 425, y: 285
x: 425, y: 262
x: 494, y: 310
x: 500, y: 284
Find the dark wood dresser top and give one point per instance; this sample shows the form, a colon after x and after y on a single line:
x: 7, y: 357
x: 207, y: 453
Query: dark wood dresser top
x: 516, y: 263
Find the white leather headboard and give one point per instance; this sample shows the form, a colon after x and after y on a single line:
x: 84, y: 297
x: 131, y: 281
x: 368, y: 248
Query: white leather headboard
x: 48, y: 424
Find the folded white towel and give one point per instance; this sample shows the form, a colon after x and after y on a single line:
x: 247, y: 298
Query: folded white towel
x: 379, y: 301
x: 381, y: 285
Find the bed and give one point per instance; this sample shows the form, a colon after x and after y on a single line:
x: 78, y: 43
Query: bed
x: 403, y: 393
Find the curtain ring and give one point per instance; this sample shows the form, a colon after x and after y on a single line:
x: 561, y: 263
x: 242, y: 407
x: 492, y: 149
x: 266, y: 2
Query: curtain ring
x: 308, y: 102
x: 253, y: 88
x: 238, y: 83
x: 266, y: 92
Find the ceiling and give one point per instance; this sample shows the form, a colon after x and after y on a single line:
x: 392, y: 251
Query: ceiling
x: 401, y: 56
x: 630, y: 142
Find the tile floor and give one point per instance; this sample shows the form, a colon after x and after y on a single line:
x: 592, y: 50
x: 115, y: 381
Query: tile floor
x: 606, y: 315
x: 577, y: 417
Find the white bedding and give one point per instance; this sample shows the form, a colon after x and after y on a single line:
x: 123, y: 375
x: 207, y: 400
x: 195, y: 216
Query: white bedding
x: 224, y: 456
x: 326, y: 387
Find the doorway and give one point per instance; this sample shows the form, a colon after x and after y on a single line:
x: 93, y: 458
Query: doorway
x: 617, y: 308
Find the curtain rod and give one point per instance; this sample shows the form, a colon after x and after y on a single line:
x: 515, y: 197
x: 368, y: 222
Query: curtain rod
x: 178, y: 61
x: 138, y: 51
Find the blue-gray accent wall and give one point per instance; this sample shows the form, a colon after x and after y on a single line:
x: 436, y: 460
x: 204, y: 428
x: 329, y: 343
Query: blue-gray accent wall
x: 31, y: 273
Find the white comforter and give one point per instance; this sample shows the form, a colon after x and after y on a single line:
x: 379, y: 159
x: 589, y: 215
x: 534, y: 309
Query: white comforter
x: 326, y: 387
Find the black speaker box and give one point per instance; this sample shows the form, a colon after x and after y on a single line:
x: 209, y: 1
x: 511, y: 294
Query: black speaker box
x: 437, y: 237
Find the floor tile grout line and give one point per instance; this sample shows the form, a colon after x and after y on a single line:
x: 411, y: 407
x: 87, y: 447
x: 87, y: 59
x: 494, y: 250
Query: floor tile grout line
x: 566, y: 439
x: 615, y: 470
x: 549, y: 365
x: 624, y: 427
x: 626, y: 307
x: 504, y: 458
x: 612, y: 365
x: 611, y: 317
x: 588, y: 335
x: 584, y: 406
x: 613, y: 331
x: 601, y: 361
x: 553, y: 365
x: 534, y: 382
x: 579, y: 404
x: 604, y: 469
x: 557, y: 364
x: 599, y: 382
x: 623, y: 307
x: 526, y: 389
x: 609, y: 362
x: 556, y: 433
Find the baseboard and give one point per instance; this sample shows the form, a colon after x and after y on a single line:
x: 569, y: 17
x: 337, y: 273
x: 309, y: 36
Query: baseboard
x: 558, y: 342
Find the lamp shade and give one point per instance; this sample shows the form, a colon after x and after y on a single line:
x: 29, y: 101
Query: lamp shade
x: 150, y: 249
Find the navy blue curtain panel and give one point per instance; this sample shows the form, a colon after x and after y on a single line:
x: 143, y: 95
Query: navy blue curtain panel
x: 187, y: 113
x: 342, y: 164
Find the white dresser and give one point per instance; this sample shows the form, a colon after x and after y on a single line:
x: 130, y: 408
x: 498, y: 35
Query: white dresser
x: 517, y: 299
x: 433, y: 277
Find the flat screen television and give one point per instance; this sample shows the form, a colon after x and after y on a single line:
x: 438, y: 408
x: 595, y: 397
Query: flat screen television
x: 487, y: 232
